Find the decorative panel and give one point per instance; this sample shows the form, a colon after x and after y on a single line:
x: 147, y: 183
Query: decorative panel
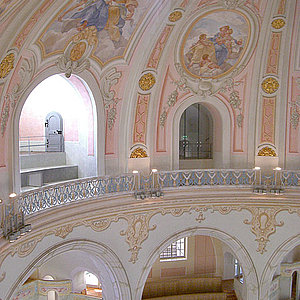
x: 268, y: 120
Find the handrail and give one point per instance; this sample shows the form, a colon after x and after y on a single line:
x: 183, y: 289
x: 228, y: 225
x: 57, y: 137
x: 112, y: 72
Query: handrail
x: 29, y: 140
x: 72, y: 191
x: 88, y: 188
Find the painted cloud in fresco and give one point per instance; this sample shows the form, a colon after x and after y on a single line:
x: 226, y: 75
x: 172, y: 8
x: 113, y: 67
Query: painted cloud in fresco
x: 215, y: 43
x: 115, y: 21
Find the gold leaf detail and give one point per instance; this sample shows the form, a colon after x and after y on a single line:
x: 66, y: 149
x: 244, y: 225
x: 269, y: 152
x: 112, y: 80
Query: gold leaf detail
x: 138, y: 153
x: 147, y: 81
x: 263, y: 224
x: 278, y: 23
x: 7, y: 64
x: 63, y: 231
x: 270, y: 85
x: 137, y: 232
x: 77, y: 51
x: 266, y: 151
x: 175, y: 16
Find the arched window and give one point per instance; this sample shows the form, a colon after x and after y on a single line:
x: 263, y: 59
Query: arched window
x: 195, y: 133
x: 93, y: 286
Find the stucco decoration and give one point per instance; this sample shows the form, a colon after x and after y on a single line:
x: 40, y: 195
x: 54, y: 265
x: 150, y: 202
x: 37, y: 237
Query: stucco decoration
x: 137, y: 232
x: 147, y: 81
x: 175, y: 16
x: 295, y: 113
x: 109, y: 98
x: 114, y: 23
x: 75, y: 57
x: 214, y: 49
x: 6, y: 65
x: 270, y: 85
x: 231, y: 4
x: 266, y: 151
x: 278, y: 23
x: 26, y: 74
x: 138, y: 153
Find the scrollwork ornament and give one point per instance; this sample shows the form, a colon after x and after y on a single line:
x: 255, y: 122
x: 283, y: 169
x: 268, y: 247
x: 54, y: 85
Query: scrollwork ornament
x: 26, y: 73
x: 201, y: 211
x: 295, y: 113
x: 6, y: 65
x: 231, y: 4
x: 108, y: 94
x: 77, y: 52
x: 64, y: 230
x: 137, y: 232
x: 99, y: 224
x: 263, y: 224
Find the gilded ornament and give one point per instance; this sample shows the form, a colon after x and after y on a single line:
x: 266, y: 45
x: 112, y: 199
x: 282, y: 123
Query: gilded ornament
x: 278, y: 23
x: 266, y: 151
x: 175, y: 16
x: 138, y: 153
x: 77, y: 51
x: 147, y: 81
x: 270, y: 85
x: 7, y: 64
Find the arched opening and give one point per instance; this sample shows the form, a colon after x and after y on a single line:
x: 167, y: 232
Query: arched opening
x: 67, y: 262
x: 57, y: 133
x: 207, y: 126
x: 193, y: 266
x: 93, y: 285
x: 195, y: 133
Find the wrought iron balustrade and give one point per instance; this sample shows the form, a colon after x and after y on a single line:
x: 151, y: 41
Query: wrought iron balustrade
x: 54, y: 195
x: 195, y: 150
x: 206, y: 177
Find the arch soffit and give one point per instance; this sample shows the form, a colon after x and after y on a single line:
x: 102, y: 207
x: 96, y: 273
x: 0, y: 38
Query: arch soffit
x: 251, y: 278
x: 114, y: 267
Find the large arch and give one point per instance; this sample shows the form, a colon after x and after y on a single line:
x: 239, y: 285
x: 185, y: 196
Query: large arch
x: 221, y: 128
x: 274, y: 262
x: 250, y: 275
x: 90, y: 83
x: 114, y: 275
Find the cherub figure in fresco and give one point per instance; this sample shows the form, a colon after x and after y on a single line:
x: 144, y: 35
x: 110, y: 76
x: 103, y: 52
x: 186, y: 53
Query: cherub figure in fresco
x: 102, y: 14
x: 199, y: 49
x: 208, y: 66
x: 225, y: 45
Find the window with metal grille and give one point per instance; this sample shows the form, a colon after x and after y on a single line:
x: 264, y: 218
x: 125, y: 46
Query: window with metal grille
x: 175, y: 251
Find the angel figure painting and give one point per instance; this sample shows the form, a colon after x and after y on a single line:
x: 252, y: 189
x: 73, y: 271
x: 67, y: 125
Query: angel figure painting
x: 113, y: 21
x: 214, y: 44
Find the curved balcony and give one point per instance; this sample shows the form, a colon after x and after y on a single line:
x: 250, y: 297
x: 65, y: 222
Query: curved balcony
x: 152, y: 186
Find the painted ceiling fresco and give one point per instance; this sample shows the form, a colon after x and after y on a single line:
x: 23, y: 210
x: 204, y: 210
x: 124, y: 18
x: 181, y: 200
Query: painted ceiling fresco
x: 214, y: 44
x: 114, y: 21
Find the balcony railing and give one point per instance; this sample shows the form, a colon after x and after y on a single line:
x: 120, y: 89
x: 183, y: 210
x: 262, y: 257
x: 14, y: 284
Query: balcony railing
x: 37, y: 200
